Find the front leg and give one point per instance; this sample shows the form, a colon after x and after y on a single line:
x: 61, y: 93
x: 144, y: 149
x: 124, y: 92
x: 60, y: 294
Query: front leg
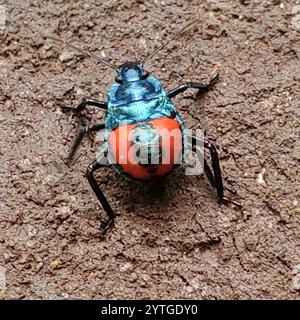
x: 87, y: 102
x: 201, y: 87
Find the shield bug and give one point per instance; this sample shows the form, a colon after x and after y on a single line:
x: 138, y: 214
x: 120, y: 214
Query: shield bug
x: 146, y: 134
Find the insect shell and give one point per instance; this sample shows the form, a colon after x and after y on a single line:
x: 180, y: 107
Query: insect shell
x: 142, y: 117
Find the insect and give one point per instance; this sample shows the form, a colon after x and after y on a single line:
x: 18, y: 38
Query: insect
x: 138, y: 108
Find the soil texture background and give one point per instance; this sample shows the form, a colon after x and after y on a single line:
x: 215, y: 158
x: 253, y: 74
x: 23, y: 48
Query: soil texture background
x: 173, y: 241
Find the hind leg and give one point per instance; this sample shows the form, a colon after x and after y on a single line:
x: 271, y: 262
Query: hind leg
x: 215, y: 175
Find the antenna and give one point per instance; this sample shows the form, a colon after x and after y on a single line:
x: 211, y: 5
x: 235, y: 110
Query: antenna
x: 182, y: 30
x: 86, y: 53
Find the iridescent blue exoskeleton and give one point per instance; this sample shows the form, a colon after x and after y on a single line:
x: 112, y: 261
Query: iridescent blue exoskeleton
x: 139, y: 99
x: 136, y: 96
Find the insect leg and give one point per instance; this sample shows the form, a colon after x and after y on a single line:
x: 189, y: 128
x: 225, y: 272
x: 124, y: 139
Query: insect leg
x: 87, y: 102
x: 211, y: 177
x: 201, y: 87
x: 214, y: 176
x: 99, y: 194
x: 209, y: 174
x: 80, y: 136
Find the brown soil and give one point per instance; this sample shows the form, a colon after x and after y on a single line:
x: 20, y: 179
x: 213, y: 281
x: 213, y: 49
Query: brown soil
x: 177, y: 242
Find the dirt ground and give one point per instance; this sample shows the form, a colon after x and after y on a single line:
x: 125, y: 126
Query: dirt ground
x: 175, y: 241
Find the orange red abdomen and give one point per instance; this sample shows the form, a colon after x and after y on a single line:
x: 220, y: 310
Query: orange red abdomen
x: 146, y: 150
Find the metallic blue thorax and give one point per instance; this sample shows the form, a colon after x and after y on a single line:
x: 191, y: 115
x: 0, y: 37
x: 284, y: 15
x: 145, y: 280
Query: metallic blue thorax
x: 138, y: 100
